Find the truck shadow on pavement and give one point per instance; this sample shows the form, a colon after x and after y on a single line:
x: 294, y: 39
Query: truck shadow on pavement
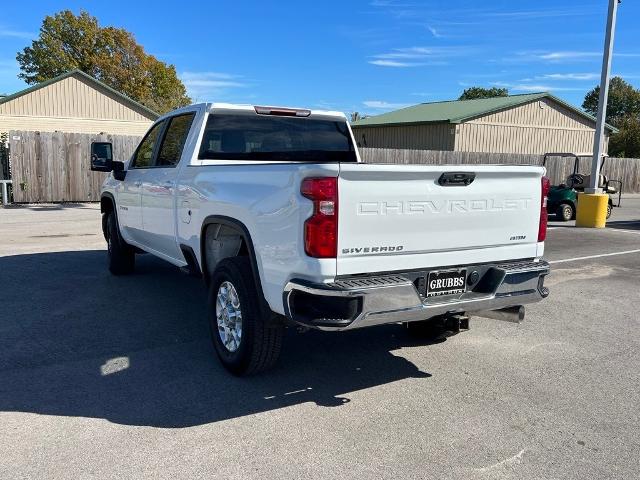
x: 76, y: 341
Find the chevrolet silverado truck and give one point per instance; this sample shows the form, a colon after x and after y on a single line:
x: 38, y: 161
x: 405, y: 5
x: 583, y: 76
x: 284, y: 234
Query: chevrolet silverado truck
x: 275, y: 210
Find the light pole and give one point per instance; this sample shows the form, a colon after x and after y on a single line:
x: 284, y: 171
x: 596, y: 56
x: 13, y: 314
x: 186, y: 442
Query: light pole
x: 598, y: 143
x: 592, y: 204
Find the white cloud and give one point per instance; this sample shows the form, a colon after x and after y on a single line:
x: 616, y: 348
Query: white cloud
x: 564, y: 56
x: 7, y: 32
x: 389, y: 3
x: 409, y: 53
x: 424, y: 52
x: 534, y: 87
x: 205, y: 85
x: 383, y: 105
x: 568, y: 55
x: 569, y: 76
x: 418, y: 56
x: 394, y: 63
x: 530, y: 14
x: 434, y: 32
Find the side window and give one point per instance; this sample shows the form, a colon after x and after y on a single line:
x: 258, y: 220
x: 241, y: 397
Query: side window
x: 144, y: 155
x: 174, y: 139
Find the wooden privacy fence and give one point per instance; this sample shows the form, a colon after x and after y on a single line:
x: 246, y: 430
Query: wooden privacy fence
x: 55, y: 167
x: 625, y: 169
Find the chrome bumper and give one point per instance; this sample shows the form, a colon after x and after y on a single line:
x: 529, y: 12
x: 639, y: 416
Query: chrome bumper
x: 366, y: 301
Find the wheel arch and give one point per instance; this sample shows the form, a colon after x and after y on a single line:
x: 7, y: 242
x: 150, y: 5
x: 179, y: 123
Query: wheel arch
x: 107, y: 203
x: 567, y: 201
x: 246, y: 246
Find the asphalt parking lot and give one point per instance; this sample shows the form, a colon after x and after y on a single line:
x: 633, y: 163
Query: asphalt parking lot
x: 104, y: 377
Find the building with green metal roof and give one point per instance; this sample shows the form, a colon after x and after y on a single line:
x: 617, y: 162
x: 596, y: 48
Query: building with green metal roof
x: 532, y: 123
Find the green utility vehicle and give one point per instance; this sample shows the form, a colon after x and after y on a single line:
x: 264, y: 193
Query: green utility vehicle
x: 563, y: 198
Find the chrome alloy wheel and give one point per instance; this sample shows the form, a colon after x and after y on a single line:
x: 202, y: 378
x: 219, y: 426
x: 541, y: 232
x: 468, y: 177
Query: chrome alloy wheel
x: 229, y: 316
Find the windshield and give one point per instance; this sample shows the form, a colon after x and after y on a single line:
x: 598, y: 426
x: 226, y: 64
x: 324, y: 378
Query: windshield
x: 266, y: 137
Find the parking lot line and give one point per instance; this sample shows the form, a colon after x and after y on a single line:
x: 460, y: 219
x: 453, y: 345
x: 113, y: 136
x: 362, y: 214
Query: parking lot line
x: 627, y: 252
x: 634, y: 232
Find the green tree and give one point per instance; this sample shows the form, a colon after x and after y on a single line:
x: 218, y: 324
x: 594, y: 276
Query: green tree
x: 624, y: 100
x: 472, y: 93
x: 355, y: 116
x: 626, y: 143
x: 109, y: 54
x: 623, y: 112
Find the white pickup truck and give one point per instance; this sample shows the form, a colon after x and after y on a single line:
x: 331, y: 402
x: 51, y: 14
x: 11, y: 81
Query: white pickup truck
x: 273, y: 207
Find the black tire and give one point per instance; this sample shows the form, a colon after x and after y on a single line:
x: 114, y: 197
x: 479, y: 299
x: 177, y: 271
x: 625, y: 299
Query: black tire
x: 566, y: 212
x: 121, y: 255
x: 609, y: 210
x: 261, y: 332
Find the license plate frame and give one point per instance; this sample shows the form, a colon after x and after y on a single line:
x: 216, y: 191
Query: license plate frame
x: 446, y: 287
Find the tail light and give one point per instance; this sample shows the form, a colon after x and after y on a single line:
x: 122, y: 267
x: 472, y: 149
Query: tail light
x: 542, y: 229
x: 321, y: 229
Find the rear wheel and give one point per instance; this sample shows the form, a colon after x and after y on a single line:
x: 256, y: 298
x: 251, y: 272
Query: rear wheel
x: 609, y: 210
x: 246, y: 340
x: 566, y: 212
x: 121, y: 255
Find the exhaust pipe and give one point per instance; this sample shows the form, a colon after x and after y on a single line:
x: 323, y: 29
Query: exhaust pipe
x: 511, y: 314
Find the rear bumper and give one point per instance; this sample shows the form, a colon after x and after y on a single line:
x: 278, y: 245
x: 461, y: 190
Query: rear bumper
x: 375, y: 300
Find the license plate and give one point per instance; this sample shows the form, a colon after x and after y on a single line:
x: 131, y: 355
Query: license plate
x: 448, y: 282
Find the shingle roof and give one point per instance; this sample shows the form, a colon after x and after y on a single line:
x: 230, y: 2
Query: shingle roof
x: 457, y: 111
x: 90, y: 79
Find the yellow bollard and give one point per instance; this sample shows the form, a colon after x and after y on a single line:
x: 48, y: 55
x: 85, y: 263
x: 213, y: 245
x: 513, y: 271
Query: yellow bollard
x: 592, y: 210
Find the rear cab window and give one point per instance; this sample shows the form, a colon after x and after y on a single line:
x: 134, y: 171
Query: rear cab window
x: 174, y: 139
x: 251, y: 136
x: 143, y: 157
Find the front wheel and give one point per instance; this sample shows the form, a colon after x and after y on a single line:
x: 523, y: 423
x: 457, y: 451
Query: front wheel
x: 609, y: 210
x: 121, y: 255
x: 246, y: 340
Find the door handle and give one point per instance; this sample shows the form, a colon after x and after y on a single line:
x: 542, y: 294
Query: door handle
x: 169, y: 183
x: 456, y: 179
x: 137, y: 183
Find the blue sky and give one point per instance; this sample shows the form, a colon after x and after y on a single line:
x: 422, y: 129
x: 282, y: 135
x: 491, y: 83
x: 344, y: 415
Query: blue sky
x: 367, y: 56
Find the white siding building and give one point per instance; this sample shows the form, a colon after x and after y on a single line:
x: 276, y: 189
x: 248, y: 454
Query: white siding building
x: 74, y: 102
x: 532, y: 124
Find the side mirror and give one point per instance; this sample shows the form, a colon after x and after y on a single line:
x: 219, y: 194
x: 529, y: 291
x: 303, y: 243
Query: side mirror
x: 101, y: 157
x: 119, y: 173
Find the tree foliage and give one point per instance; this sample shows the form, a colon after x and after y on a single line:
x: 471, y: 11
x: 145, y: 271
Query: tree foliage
x: 626, y: 143
x: 109, y: 54
x: 480, y: 92
x: 623, y: 112
x: 355, y: 116
x: 624, y: 100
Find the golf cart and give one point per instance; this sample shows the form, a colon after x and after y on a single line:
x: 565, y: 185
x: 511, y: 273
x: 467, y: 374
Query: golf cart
x: 563, y: 198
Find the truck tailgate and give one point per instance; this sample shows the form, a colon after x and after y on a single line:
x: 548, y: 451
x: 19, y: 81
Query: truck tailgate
x: 400, y: 217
